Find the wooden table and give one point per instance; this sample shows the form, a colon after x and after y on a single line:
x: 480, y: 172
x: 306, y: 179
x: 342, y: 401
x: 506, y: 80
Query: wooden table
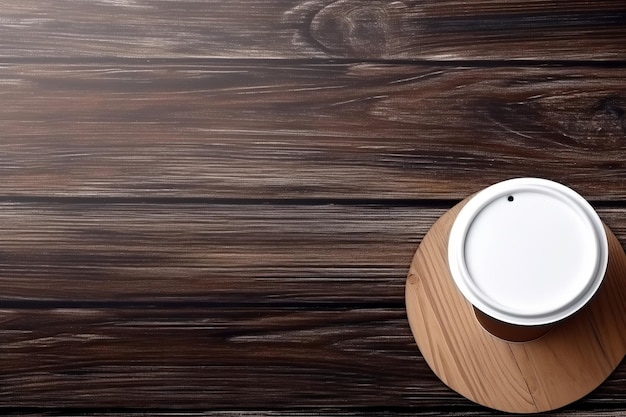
x: 210, y: 207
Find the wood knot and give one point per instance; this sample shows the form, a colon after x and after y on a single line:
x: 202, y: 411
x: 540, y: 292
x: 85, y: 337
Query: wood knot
x: 586, y: 122
x: 355, y: 27
x: 608, y: 121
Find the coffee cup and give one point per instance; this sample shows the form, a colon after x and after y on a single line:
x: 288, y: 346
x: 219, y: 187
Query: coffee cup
x: 527, y: 253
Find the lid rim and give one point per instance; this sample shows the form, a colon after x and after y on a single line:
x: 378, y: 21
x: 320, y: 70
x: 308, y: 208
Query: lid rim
x: 458, y: 264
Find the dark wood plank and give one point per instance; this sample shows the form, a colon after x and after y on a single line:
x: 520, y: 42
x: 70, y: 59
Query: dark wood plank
x: 287, y: 130
x: 265, y: 254
x: 225, y: 357
x: 363, y: 29
x: 268, y: 254
x: 313, y: 412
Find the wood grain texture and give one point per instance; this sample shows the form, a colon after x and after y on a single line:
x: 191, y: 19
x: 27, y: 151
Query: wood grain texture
x: 199, y: 358
x: 311, y: 412
x: 356, y: 29
x: 208, y: 253
x: 189, y: 306
x: 223, y: 357
x: 308, y: 412
x: 266, y: 254
x: 209, y: 207
x: 272, y: 130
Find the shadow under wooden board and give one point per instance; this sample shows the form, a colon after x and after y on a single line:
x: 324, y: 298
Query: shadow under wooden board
x: 560, y: 367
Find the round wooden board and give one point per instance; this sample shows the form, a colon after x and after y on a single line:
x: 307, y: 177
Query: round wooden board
x: 564, y: 365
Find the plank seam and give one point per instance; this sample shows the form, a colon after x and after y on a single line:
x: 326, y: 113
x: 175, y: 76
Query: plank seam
x: 155, y: 61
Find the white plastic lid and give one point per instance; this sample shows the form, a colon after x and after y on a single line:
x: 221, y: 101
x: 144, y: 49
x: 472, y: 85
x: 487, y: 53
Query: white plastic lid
x: 528, y: 251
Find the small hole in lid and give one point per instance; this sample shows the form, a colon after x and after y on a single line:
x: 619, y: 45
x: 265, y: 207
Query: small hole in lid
x: 510, y: 198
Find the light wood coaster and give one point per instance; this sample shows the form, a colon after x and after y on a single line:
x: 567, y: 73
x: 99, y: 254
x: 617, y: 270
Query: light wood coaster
x: 562, y: 366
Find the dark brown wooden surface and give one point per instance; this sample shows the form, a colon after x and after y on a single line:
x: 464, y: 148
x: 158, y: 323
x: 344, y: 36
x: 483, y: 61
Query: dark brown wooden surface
x: 361, y: 29
x: 300, y: 130
x: 210, y: 208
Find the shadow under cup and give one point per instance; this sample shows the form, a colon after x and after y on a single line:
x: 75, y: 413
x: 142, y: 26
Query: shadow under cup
x: 527, y: 253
